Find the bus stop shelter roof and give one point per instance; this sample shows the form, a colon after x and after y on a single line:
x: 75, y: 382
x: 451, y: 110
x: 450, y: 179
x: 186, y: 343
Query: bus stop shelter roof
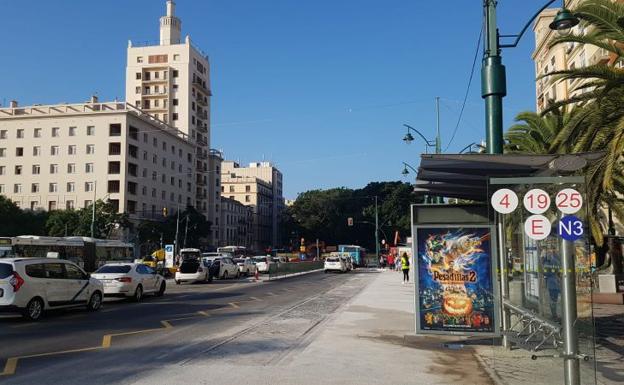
x: 466, y: 176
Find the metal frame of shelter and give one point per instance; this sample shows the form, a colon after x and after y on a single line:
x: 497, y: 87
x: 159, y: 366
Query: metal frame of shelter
x: 471, y: 177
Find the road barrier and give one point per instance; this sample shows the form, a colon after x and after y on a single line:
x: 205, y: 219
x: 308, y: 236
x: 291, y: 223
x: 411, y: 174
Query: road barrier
x: 277, y: 270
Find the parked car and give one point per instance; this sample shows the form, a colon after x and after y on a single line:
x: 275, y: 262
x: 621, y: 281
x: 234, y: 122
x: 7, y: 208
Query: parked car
x: 193, y: 270
x: 246, y: 266
x: 223, y: 267
x: 31, y: 286
x: 130, y: 280
x: 263, y: 263
x: 335, y: 264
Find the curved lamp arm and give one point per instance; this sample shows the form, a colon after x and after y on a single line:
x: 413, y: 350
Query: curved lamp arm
x: 429, y: 143
x: 526, y: 26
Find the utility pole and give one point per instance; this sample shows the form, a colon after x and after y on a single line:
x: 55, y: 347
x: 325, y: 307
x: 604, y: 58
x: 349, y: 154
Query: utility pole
x: 317, y: 249
x: 185, y: 232
x: 175, y: 242
x: 93, y: 211
x: 493, y: 81
x: 438, y: 141
x: 376, y: 229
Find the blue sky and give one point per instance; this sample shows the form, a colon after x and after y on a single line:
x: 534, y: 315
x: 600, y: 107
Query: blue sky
x: 321, y: 88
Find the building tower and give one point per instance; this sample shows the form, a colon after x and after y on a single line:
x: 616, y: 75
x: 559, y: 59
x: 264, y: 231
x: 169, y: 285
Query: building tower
x: 171, y: 82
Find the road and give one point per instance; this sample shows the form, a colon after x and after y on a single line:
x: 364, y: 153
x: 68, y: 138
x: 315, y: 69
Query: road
x: 226, y: 320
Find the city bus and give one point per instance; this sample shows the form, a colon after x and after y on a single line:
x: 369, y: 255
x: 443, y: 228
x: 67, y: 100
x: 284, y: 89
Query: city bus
x: 233, y: 251
x: 357, y: 253
x: 88, y: 253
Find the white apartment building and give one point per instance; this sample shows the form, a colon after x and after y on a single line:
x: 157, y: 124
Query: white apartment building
x: 259, y: 185
x: 64, y: 156
x: 171, y: 81
x: 560, y: 57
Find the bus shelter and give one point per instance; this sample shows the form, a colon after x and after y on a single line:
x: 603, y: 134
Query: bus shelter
x: 514, y: 265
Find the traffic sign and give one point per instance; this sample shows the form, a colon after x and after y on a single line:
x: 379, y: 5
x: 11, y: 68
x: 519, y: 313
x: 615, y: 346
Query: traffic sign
x: 569, y: 201
x: 504, y: 201
x: 537, y: 227
x: 536, y: 201
x: 570, y: 228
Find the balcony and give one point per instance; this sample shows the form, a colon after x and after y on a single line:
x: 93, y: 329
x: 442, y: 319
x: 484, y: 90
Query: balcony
x: 203, y: 129
x: 201, y: 142
x: 201, y: 155
x: 201, y: 100
x: 154, y: 94
x: 201, y: 87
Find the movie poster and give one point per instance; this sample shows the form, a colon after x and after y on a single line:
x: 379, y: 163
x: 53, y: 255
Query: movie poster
x: 454, y: 280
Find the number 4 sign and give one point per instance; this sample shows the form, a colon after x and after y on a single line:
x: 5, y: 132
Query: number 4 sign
x: 504, y: 201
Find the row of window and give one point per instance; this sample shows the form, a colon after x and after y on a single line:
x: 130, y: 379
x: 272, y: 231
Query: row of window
x: 37, y: 132
x: 72, y: 149
x: 54, y: 169
x: 70, y: 187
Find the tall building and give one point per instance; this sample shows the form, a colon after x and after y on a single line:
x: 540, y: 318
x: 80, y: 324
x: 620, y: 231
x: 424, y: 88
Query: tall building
x: 66, y: 155
x: 236, y: 227
x: 560, y: 57
x: 215, y: 205
x: 171, y: 81
x: 260, y: 185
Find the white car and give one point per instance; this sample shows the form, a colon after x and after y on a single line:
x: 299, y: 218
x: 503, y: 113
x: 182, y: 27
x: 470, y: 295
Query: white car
x: 193, y: 270
x: 223, y: 267
x: 263, y: 264
x: 31, y: 286
x: 246, y: 266
x: 335, y: 264
x: 131, y: 280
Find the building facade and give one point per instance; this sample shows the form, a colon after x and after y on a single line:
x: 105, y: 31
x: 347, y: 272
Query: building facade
x: 171, y: 81
x: 215, y: 205
x: 65, y: 156
x: 236, y: 227
x: 260, y: 186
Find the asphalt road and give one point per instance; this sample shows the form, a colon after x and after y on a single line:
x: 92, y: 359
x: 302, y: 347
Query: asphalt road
x: 227, y: 319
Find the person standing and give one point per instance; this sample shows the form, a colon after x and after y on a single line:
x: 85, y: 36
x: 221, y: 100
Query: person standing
x: 391, y: 261
x: 405, y: 267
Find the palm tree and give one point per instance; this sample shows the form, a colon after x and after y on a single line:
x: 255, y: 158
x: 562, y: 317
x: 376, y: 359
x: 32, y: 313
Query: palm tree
x: 534, y: 133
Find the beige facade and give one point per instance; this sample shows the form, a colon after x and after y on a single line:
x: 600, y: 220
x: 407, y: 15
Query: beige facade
x: 215, y: 158
x: 171, y: 81
x: 259, y: 185
x: 65, y: 156
x: 560, y: 57
x: 236, y: 224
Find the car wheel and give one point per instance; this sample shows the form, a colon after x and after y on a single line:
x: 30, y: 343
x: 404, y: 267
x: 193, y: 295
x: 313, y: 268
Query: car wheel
x: 95, y: 302
x: 161, y: 291
x: 138, y: 294
x: 34, y: 309
x: 225, y: 275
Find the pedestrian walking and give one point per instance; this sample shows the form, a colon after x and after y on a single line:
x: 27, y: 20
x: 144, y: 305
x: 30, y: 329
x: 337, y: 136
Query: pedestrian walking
x: 405, y: 266
x: 391, y: 261
x: 397, y: 262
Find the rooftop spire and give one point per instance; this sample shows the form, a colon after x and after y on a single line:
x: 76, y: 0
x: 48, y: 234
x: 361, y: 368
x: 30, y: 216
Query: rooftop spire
x: 170, y: 26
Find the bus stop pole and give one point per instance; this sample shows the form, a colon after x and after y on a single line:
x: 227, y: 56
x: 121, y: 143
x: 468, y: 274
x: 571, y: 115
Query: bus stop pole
x: 504, y: 278
x: 569, y: 316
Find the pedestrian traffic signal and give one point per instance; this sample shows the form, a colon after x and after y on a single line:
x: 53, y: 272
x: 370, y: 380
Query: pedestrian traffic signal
x: 164, y: 211
x: 349, y: 221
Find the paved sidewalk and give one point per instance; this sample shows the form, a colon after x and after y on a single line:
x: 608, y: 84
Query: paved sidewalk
x: 368, y: 341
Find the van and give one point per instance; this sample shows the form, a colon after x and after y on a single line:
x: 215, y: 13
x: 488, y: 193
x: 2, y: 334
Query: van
x: 31, y: 286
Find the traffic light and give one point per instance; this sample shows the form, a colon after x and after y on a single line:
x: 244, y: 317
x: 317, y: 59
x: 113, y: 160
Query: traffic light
x: 349, y: 221
x: 164, y: 211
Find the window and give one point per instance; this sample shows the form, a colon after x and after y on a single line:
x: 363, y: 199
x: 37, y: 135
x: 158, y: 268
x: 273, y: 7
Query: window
x: 114, y: 129
x: 69, y: 205
x: 133, y: 151
x: 139, y: 59
x: 3, y: 134
x: 154, y: 175
x: 71, y: 149
x: 54, y: 169
x: 175, y: 73
x: 88, y: 187
x: 131, y: 207
x: 114, y: 148
x: 90, y: 130
x: 138, y: 90
x: 17, y: 188
x: 144, y: 190
x: 144, y: 173
x: 145, y: 137
x: 51, y: 205
x: 54, y: 150
x: 71, y: 187
x: 154, y: 159
x: 114, y: 167
x: 155, y: 142
x: 144, y: 155
x: 153, y: 192
x: 2, y: 168
x: 132, y: 188
x: 87, y: 203
x: 146, y: 104
x: 176, y: 57
x: 247, y: 198
x: 18, y: 170
x: 71, y: 168
x: 55, y: 132
x: 73, y: 272
x: 2, y: 152
x: 231, y: 188
x: 174, y: 116
x: 53, y: 187
x: 175, y: 102
x: 90, y: 149
x: 36, y: 151
x: 133, y: 133
x: 164, y: 162
x: 37, y: 133
x: 247, y: 188
x: 19, y: 151
x: 36, y: 169
x: 34, y: 188
x: 113, y: 186
x: 20, y: 133
x: 138, y: 76
x: 172, y: 181
x: 89, y: 168
x: 163, y: 178
x: 153, y: 59
x: 163, y: 195
x: 72, y: 131
x: 133, y: 169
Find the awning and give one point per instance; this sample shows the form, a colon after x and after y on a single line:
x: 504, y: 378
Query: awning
x: 465, y: 176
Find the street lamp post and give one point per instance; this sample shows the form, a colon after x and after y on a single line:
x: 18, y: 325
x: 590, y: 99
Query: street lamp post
x: 493, y: 80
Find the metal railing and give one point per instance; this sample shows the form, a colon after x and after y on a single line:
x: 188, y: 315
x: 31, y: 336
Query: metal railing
x: 289, y: 268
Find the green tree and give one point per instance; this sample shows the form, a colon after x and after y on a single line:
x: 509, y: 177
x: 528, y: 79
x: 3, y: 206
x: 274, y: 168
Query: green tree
x: 78, y: 222
x: 20, y: 222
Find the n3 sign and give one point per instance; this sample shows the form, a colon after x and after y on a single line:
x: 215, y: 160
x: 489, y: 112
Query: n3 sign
x: 570, y: 228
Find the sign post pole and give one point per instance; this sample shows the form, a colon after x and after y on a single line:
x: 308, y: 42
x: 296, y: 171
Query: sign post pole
x: 568, y: 319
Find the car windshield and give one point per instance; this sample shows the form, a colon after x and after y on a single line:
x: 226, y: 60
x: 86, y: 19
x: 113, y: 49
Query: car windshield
x: 260, y: 259
x: 113, y: 269
x: 333, y: 259
x: 5, y: 270
x: 239, y: 260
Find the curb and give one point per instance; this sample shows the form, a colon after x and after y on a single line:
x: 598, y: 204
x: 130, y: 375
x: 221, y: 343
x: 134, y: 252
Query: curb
x: 496, y: 379
x: 293, y: 274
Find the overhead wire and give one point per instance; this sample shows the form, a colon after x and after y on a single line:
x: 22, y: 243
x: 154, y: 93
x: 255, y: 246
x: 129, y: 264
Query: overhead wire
x: 472, y: 71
